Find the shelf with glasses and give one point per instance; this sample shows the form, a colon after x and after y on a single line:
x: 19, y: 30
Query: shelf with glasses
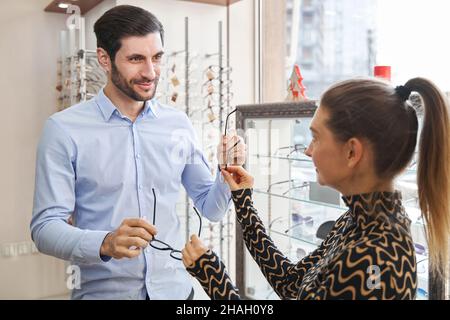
x: 296, y: 238
x: 281, y: 158
x: 301, y: 200
x: 307, y: 160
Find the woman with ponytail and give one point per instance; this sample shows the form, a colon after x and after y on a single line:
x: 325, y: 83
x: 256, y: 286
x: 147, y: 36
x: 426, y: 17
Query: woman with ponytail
x: 364, y: 135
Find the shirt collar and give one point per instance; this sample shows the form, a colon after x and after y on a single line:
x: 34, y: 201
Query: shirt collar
x: 107, y: 108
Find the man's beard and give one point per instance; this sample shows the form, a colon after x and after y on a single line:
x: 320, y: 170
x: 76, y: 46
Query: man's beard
x: 121, y: 83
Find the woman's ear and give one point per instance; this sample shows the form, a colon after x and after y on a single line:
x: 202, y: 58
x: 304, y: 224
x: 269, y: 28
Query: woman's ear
x: 354, y: 151
x: 104, y: 59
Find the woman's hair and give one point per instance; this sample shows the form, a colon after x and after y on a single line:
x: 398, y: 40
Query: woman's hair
x: 374, y: 110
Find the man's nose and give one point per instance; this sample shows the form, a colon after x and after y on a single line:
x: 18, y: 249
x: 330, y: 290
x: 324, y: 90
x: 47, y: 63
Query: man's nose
x: 149, y: 71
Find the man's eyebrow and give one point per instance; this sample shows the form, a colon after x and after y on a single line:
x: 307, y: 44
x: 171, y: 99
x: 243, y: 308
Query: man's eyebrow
x: 138, y: 55
x: 135, y: 55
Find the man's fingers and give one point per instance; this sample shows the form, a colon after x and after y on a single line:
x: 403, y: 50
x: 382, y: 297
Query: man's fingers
x: 123, y: 252
x: 136, y: 242
x: 132, y: 253
x: 233, y: 147
x: 229, y: 140
x: 240, y: 147
x: 137, y: 222
x: 237, y: 157
x: 140, y: 232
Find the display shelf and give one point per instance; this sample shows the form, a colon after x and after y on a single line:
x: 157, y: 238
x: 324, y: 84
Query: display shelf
x: 318, y: 203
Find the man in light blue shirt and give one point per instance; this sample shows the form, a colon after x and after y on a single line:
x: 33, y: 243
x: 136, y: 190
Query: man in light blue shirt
x: 105, y: 163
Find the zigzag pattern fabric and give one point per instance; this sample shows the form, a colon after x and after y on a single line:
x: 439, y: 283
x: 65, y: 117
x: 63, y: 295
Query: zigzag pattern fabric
x: 368, y: 254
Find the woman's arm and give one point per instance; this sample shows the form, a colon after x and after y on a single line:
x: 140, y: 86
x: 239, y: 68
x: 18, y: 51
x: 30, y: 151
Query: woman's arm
x: 213, y: 277
x: 284, y: 276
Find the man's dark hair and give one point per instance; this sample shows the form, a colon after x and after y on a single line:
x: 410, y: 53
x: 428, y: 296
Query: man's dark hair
x: 121, y: 22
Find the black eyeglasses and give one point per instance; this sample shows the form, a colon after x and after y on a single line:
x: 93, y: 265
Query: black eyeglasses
x: 226, y: 121
x: 161, y: 245
x: 225, y: 133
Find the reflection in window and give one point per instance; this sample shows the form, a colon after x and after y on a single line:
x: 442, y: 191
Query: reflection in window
x: 333, y: 40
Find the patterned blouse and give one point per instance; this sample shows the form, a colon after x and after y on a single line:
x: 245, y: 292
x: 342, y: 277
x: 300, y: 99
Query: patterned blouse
x: 368, y: 254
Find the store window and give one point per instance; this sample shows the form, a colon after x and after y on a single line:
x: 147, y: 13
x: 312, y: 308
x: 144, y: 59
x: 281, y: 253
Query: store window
x: 332, y: 40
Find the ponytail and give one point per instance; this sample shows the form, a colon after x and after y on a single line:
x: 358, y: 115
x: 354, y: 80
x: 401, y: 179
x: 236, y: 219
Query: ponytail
x: 433, y: 177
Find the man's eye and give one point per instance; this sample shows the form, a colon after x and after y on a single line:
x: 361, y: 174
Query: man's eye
x: 135, y: 59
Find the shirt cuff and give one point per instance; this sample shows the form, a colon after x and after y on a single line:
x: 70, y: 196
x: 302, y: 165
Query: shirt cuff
x: 89, y: 249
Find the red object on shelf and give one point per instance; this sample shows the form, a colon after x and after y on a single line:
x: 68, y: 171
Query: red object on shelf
x: 383, y: 72
x: 296, y: 89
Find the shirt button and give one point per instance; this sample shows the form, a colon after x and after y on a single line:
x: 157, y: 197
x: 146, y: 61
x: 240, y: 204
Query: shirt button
x: 138, y: 156
x: 140, y: 187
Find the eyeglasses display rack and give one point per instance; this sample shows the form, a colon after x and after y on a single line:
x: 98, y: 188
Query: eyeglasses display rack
x: 200, y: 85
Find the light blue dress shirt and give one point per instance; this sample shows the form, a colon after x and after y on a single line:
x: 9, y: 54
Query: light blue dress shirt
x: 97, y: 164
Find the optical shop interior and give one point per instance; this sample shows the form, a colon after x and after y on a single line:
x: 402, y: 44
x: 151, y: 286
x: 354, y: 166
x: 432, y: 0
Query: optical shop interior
x: 225, y: 149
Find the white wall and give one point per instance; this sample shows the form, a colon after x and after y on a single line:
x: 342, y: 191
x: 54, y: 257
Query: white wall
x: 29, y: 51
x: 91, y: 17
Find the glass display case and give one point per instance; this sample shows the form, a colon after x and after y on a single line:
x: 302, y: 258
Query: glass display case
x: 296, y: 211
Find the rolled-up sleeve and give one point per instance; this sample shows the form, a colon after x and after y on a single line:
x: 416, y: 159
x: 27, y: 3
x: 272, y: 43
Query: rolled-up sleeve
x: 54, y: 201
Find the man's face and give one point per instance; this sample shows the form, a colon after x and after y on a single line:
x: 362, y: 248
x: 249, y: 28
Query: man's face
x: 136, y: 68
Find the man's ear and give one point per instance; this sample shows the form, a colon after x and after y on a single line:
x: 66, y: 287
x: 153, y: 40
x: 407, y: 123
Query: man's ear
x: 104, y: 60
x: 354, y: 151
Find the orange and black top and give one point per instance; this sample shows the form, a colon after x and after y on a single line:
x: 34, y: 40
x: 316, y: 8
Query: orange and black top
x: 368, y: 254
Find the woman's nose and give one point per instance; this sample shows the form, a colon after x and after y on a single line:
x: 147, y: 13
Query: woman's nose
x: 308, y: 151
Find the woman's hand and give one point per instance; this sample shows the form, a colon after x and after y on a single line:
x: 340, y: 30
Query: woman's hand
x: 237, y: 178
x: 193, y: 250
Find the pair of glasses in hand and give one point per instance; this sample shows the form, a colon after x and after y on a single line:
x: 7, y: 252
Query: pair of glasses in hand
x: 225, y: 133
x: 163, y: 246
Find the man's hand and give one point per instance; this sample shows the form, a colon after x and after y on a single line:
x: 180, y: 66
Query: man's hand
x: 128, y: 240
x: 193, y: 250
x: 231, y: 151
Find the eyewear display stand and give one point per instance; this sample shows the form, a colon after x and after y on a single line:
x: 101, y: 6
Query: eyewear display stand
x: 79, y: 74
